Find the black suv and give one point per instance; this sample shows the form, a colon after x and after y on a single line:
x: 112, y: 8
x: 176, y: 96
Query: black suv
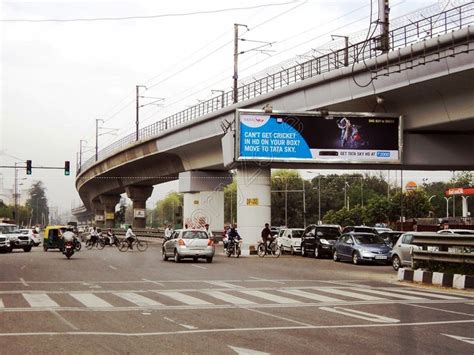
x: 317, y: 240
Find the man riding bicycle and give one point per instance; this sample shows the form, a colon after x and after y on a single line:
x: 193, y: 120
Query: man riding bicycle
x: 130, y: 236
x: 267, y: 236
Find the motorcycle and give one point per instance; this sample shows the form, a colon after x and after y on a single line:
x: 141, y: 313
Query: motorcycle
x: 69, y: 248
x: 233, y: 248
x: 110, y: 240
x: 77, y: 244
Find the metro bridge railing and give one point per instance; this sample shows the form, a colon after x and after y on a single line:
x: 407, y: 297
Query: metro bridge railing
x: 428, y: 27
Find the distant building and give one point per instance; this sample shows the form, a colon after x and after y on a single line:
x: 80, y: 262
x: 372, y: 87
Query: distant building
x: 7, y: 195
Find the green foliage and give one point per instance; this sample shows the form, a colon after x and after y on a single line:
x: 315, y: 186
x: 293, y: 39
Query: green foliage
x: 230, y: 203
x: 38, y: 203
x: 169, y: 210
x: 291, y: 182
x: 379, y: 209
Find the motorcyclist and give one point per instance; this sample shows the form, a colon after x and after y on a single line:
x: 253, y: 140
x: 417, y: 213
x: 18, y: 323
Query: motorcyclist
x: 69, y: 236
x: 130, y: 236
x: 233, y: 236
x: 266, y: 235
x: 111, y: 236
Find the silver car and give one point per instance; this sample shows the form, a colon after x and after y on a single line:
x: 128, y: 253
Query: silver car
x: 401, y: 252
x: 188, y: 243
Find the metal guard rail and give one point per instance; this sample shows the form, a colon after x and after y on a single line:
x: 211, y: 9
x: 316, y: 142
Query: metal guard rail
x: 462, y: 249
x: 426, y: 28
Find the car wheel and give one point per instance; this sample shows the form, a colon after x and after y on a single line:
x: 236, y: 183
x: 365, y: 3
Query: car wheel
x: 209, y: 260
x: 177, y: 259
x: 355, y: 258
x: 45, y: 248
x: 396, y: 262
x: 303, y: 251
x: 163, y: 255
x: 316, y: 252
x: 335, y: 256
x: 292, y: 250
x: 27, y: 249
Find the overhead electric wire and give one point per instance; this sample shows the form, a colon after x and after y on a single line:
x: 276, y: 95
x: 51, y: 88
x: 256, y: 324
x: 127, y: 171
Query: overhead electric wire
x: 145, y: 17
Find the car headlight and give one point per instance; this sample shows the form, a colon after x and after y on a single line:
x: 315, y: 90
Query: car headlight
x: 324, y: 241
x: 366, y: 252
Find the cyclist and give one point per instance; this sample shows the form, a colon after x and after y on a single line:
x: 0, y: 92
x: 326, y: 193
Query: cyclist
x: 130, y: 236
x: 267, y: 236
x: 111, y: 236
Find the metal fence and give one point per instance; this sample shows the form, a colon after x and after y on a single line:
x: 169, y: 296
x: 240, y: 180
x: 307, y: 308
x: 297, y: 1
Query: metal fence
x: 458, y: 249
x: 426, y: 28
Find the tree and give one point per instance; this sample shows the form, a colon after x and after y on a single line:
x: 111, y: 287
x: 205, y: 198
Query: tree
x: 230, y: 203
x: 291, y: 182
x: 378, y: 210
x: 168, y: 210
x: 415, y: 205
x: 38, y: 203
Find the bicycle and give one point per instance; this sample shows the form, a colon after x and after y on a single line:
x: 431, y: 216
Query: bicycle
x: 98, y: 242
x: 273, y: 249
x: 141, y: 245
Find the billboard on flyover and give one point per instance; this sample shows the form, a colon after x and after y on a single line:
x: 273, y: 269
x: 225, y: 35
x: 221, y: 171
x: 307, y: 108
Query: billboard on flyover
x: 316, y: 138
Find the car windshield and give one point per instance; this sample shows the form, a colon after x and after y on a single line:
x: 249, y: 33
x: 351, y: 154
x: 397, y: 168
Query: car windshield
x: 297, y: 234
x: 328, y: 233
x: 195, y: 235
x: 7, y: 229
x: 364, y: 230
x: 369, y: 239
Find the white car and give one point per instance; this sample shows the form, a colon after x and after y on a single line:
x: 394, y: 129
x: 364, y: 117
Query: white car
x: 457, y: 231
x: 289, y: 239
x: 33, y: 234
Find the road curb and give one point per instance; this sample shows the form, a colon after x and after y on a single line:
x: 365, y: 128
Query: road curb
x: 437, y: 278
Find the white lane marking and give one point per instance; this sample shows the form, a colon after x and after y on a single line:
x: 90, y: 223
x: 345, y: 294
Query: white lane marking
x: 199, y: 267
x: 90, y: 300
x: 183, y: 298
x: 228, y: 298
x: 182, y: 325
x: 359, y: 314
x: 23, y: 281
x: 137, y: 299
x: 271, y: 297
x: 233, y: 330
x: 153, y: 282
x: 426, y: 294
x: 244, y: 351
x: 464, y: 339
x: 274, y: 281
x: 64, y: 320
x: 278, y: 317
x: 113, y: 267
x: 311, y: 296
x: 224, y: 284
x: 39, y: 300
x: 340, y: 292
x: 440, y: 309
x: 1, y: 304
x: 393, y: 294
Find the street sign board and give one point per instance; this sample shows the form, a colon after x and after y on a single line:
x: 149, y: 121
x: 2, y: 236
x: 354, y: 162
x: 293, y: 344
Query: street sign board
x: 313, y: 137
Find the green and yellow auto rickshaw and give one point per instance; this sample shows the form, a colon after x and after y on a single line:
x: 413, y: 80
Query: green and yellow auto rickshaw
x: 53, y: 237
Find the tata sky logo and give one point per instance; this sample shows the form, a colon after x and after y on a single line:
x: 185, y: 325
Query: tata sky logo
x: 253, y: 121
x: 383, y: 154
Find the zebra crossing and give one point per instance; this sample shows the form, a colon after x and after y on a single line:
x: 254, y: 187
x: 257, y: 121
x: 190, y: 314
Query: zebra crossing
x: 240, y: 297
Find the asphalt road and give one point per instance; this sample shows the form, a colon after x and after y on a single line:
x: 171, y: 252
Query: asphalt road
x: 106, y: 301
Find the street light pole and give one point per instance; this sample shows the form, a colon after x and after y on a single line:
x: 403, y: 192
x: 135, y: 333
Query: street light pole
x: 447, y: 205
x: 286, y: 203
x: 236, y: 60
x: 346, y: 48
x: 319, y: 199
x: 80, y: 152
x: 304, y: 204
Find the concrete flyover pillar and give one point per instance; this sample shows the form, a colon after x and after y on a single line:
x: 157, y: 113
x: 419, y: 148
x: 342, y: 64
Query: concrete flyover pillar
x: 253, y: 204
x: 99, y: 217
x: 203, y: 198
x: 109, y: 202
x: 139, y: 195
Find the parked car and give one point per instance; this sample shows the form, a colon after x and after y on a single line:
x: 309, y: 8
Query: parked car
x: 382, y: 229
x: 456, y: 231
x: 359, y: 229
x: 401, y: 252
x: 391, y: 237
x: 188, y: 243
x: 361, y: 247
x: 33, y: 234
x: 5, y: 243
x: 289, y: 239
x: 275, y: 231
x: 18, y: 240
x: 318, y: 240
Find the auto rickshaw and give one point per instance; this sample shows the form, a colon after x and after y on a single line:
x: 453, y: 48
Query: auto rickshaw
x: 53, y: 237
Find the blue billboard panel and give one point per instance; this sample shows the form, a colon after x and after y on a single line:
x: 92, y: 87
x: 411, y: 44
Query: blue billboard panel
x: 311, y: 137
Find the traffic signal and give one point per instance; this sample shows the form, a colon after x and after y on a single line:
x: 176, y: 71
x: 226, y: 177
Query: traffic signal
x: 66, y: 168
x: 28, y: 167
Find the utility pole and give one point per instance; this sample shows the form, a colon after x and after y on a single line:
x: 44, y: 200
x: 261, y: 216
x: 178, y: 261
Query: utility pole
x: 97, y: 137
x: 15, y: 194
x: 384, y: 12
x: 346, y: 48
x: 80, y: 152
x: 137, y: 116
x: 236, y: 59
x: 319, y: 199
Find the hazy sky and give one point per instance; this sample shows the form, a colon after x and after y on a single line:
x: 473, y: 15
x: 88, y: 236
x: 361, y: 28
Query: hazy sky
x: 57, y: 78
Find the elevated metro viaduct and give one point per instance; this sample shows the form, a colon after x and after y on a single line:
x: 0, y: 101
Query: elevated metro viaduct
x: 433, y: 90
